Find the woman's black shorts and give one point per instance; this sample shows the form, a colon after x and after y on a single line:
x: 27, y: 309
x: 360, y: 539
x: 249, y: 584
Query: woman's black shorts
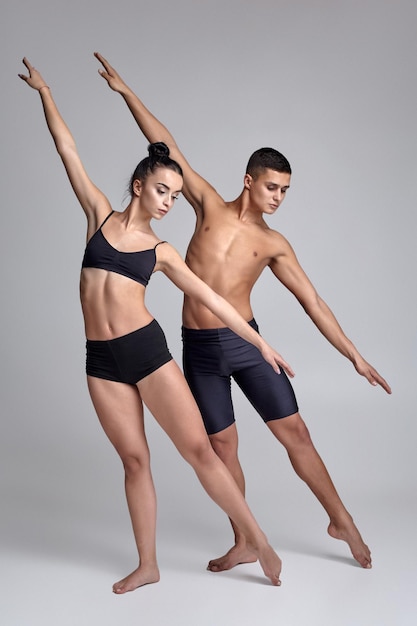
x: 129, y: 358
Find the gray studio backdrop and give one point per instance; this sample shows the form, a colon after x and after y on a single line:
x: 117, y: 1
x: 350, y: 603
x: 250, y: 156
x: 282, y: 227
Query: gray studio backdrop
x: 330, y: 84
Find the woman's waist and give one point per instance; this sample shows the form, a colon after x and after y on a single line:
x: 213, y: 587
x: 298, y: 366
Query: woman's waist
x: 104, y: 323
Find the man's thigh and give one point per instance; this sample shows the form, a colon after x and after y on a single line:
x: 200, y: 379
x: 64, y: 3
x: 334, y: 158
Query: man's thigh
x: 210, y: 385
x: 271, y: 394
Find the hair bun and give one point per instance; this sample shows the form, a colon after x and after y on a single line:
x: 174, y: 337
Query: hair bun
x: 158, y: 150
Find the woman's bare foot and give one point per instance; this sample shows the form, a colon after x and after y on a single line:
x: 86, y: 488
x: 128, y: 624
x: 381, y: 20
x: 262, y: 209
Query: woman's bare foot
x: 243, y: 553
x: 237, y: 555
x: 351, y: 535
x: 141, y: 576
x: 270, y: 563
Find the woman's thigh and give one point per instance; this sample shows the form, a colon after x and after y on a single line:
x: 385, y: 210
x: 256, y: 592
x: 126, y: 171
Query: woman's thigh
x: 168, y: 397
x: 120, y: 411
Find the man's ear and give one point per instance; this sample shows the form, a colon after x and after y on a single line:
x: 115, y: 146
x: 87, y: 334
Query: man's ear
x: 137, y: 187
x: 247, y: 181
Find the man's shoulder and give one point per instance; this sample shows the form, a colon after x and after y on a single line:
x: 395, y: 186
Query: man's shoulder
x: 275, y: 244
x: 214, y: 201
x: 274, y: 236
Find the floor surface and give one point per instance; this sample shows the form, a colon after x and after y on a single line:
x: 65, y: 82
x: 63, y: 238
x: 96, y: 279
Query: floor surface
x: 66, y: 580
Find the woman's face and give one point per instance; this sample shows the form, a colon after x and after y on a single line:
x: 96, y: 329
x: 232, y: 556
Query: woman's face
x: 159, y: 191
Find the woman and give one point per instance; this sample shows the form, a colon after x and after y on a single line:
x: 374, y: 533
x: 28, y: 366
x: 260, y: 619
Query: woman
x: 128, y: 362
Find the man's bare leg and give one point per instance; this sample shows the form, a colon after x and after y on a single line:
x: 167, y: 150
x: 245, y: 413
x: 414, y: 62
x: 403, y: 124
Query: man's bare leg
x: 294, y: 436
x: 225, y: 444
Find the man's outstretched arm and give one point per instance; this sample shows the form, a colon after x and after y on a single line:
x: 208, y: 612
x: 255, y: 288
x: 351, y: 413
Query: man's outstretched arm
x: 287, y: 269
x: 195, y: 187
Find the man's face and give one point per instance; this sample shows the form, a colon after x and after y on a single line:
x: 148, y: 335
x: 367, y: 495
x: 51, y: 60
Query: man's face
x: 267, y: 191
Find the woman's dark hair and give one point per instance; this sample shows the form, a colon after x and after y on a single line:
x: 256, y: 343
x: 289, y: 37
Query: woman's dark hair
x: 158, y: 157
x: 267, y: 159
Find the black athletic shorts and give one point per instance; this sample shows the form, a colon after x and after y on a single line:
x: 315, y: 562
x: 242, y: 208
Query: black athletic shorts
x: 211, y: 357
x: 129, y: 358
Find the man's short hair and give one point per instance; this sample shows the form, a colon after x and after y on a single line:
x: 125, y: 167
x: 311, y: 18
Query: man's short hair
x: 267, y: 158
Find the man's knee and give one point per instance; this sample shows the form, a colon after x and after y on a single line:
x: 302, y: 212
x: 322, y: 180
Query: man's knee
x: 291, y: 431
x: 225, y: 443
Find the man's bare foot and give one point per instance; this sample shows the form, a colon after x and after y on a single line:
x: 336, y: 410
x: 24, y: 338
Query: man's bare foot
x: 237, y: 555
x: 351, y: 535
x: 141, y: 576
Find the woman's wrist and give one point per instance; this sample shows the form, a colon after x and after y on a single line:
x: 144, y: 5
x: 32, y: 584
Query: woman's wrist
x: 44, y: 87
x: 261, y: 344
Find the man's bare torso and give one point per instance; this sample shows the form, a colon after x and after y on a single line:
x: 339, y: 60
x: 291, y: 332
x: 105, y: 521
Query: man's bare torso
x: 229, y: 254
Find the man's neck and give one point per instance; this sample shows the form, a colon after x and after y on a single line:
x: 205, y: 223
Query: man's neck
x: 245, y: 212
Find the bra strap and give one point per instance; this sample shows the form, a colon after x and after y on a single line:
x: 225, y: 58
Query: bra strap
x: 109, y: 215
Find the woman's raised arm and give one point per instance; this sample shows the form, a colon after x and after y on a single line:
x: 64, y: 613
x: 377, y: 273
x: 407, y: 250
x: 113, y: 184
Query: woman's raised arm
x: 92, y: 200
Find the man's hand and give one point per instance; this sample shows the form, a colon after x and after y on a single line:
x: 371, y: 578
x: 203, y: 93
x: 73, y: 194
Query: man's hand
x: 365, y: 369
x: 114, y: 81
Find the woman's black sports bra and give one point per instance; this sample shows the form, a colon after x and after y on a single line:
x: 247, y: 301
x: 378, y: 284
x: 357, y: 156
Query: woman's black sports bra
x: 135, y: 265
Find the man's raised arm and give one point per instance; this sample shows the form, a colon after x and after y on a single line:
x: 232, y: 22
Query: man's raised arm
x: 195, y: 187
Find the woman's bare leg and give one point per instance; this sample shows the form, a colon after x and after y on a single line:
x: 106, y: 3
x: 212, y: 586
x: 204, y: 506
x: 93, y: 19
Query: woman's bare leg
x: 120, y: 411
x: 169, y: 399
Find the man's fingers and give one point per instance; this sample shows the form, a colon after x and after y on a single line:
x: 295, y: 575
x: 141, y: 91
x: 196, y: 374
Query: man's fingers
x: 103, y: 61
x: 375, y: 379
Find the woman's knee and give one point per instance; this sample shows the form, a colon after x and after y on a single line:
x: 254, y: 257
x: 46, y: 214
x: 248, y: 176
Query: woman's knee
x: 135, y: 464
x: 198, y: 452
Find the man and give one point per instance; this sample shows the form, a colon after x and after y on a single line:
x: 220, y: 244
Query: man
x: 229, y: 249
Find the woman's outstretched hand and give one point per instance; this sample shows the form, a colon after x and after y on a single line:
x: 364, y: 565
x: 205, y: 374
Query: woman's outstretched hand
x: 34, y: 79
x: 276, y: 361
x: 109, y: 74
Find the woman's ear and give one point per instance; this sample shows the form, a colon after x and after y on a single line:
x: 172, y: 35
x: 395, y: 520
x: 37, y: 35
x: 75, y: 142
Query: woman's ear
x: 137, y: 187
